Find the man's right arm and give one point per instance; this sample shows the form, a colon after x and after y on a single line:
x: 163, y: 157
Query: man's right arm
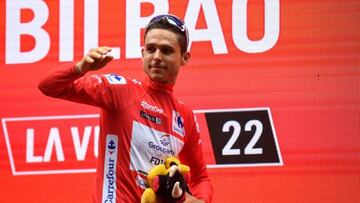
x: 66, y: 82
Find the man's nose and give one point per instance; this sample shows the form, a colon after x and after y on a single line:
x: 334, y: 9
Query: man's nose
x: 157, y: 54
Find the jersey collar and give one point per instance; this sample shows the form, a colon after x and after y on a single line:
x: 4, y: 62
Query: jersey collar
x: 158, y: 86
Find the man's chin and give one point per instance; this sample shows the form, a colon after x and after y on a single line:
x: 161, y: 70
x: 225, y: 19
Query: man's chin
x: 157, y: 77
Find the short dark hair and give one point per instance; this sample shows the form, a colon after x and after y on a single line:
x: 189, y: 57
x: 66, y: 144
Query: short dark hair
x: 163, y: 23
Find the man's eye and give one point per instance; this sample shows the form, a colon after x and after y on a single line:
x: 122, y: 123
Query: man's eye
x: 150, y: 49
x: 166, y: 51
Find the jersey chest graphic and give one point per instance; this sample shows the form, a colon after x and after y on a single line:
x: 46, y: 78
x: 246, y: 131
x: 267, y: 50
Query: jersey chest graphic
x: 151, y: 147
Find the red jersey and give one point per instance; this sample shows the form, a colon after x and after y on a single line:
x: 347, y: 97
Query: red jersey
x: 141, y: 124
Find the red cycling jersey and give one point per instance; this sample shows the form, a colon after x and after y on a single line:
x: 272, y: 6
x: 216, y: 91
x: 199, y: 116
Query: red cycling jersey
x: 141, y: 125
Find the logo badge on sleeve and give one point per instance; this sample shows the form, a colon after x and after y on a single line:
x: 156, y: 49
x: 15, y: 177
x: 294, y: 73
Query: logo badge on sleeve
x: 115, y: 79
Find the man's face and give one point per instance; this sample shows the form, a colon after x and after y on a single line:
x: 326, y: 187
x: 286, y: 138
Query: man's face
x: 161, y: 56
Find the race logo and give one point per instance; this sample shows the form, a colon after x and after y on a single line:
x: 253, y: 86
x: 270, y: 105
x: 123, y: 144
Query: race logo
x: 243, y: 137
x: 115, y: 79
x: 178, y: 123
x: 52, y: 144
x: 109, y: 178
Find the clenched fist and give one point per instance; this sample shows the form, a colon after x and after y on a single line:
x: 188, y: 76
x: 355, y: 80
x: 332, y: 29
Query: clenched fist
x: 95, y: 59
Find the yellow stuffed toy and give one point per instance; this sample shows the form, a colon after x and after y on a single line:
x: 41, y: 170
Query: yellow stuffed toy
x: 166, y: 181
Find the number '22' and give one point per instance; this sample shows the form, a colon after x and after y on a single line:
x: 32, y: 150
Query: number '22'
x: 249, y: 149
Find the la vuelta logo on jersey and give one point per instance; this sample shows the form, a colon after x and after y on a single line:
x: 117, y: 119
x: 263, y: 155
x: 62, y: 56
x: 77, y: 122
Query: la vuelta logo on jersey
x: 52, y: 144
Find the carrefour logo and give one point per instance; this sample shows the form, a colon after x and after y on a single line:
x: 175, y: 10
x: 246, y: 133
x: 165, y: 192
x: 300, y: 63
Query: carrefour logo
x: 178, y: 123
x: 111, y: 146
x: 109, y: 181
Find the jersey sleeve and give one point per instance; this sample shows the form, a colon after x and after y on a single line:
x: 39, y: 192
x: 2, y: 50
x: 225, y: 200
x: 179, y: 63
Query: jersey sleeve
x: 97, y: 90
x: 191, y: 155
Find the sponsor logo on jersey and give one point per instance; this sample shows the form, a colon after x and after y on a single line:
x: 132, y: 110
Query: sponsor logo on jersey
x: 159, y: 148
x: 109, y: 178
x: 151, y: 107
x: 150, y: 147
x: 150, y: 117
x: 156, y: 161
x: 164, y: 140
x: 115, y: 79
x: 142, y: 181
x: 178, y: 123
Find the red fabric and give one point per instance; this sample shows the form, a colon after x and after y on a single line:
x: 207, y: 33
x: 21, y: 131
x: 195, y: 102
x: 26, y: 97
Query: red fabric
x: 149, y: 123
x: 156, y: 184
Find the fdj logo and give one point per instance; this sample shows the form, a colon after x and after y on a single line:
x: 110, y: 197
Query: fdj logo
x: 245, y: 137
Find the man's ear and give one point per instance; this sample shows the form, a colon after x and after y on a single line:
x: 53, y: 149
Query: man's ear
x: 185, y: 58
x: 142, y: 53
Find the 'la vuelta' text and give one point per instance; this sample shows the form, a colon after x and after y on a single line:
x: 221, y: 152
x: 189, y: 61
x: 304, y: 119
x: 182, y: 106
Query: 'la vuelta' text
x: 39, y: 27
x: 55, y: 144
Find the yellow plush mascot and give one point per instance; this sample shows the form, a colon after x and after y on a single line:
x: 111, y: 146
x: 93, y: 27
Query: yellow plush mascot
x: 166, y: 181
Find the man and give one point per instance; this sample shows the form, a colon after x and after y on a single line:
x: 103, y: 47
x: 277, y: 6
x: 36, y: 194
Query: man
x: 141, y: 122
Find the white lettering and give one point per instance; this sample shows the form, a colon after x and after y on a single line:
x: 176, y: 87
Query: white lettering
x: 54, y: 141
x: 91, y: 24
x: 91, y: 28
x: 109, y: 175
x: 213, y: 32
x: 30, y: 157
x: 81, y: 148
x: 271, y: 29
x: 152, y: 108
x: 14, y: 30
x: 96, y: 140
x: 66, y: 29
x: 134, y: 23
